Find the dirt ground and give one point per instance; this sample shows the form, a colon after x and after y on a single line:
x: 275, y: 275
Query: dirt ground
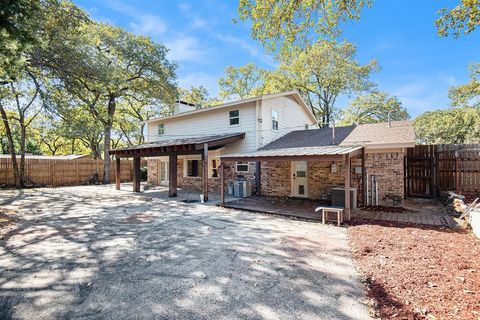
x: 94, y: 252
x: 415, y: 272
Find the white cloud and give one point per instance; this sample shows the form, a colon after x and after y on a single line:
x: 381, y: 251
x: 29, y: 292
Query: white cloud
x: 251, y: 48
x: 195, y: 20
x: 187, y: 48
x: 148, y: 25
x: 209, y: 81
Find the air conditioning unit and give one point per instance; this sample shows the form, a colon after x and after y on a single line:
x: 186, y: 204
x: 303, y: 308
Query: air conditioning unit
x: 338, y: 197
x: 242, y: 188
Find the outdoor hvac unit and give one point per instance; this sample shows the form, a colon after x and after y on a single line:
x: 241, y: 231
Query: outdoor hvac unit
x: 242, y: 189
x: 338, y: 197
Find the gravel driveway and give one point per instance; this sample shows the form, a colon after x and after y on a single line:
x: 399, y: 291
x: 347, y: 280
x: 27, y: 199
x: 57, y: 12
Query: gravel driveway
x: 97, y: 253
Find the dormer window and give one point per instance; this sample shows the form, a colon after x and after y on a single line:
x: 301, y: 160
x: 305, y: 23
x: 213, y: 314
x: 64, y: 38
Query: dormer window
x: 274, y: 120
x: 161, y: 129
x: 234, y: 117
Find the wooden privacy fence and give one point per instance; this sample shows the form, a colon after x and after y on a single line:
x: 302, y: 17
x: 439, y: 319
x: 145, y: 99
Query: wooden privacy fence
x: 54, y: 173
x: 431, y: 169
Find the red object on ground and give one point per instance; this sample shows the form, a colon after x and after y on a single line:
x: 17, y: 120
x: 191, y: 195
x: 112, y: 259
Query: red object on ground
x: 418, y: 272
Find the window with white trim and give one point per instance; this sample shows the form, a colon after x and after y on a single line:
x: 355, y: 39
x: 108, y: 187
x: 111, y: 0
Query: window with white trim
x: 241, y: 166
x: 274, y: 120
x: 193, y: 168
x: 214, y: 168
x: 161, y: 128
x: 234, y: 117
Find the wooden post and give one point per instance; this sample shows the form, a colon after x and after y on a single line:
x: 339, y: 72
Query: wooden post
x: 136, y: 174
x: 117, y: 173
x: 222, y: 182
x: 364, y: 179
x: 346, y: 165
x: 205, y: 171
x: 258, y: 177
x: 172, y: 175
x: 457, y: 173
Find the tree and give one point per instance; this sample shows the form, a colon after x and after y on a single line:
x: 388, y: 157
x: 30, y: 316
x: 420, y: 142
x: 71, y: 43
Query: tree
x: 106, y: 65
x: 241, y: 83
x: 454, y: 125
x: 374, y: 107
x: 469, y: 93
x: 197, y: 95
x: 321, y: 73
x: 281, y: 24
x: 462, y: 19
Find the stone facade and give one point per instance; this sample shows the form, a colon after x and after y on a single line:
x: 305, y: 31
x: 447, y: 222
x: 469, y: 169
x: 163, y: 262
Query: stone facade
x: 276, y: 177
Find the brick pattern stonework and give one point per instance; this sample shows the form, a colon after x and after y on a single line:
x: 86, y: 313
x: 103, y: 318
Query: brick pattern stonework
x: 276, y: 178
x: 321, y: 180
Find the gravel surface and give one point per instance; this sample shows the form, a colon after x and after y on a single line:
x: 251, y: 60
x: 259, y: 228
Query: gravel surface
x: 418, y: 272
x: 96, y: 253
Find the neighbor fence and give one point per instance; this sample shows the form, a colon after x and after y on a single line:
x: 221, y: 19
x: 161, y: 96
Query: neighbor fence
x: 431, y: 169
x: 54, y: 173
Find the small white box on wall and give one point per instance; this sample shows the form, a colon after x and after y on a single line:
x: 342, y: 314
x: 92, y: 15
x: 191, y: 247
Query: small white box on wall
x: 357, y: 170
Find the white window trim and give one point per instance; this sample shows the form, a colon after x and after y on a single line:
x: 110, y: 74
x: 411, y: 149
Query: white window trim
x: 210, y: 166
x: 238, y: 117
x: 243, y: 164
x: 185, y: 164
x: 276, y: 120
x: 158, y: 129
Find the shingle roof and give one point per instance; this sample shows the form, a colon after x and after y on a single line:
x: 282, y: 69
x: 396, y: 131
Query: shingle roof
x: 310, y: 138
x: 399, y: 132
x: 287, y: 152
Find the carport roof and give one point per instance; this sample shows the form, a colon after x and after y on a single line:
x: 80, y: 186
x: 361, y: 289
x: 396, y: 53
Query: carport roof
x: 184, y: 145
x: 328, y: 152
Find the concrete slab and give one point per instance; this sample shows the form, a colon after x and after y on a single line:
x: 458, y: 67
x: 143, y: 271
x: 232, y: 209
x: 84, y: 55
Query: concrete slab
x: 96, y: 253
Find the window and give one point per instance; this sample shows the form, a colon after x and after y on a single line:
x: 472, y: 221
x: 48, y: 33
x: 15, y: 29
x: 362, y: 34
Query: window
x: 161, y: 128
x: 242, y: 166
x: 214, y: 168
x: 194, y: 168
x: 234, y: 117
x: 274, y: 120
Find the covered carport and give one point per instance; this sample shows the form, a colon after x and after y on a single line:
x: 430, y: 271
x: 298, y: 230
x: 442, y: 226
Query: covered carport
x: 321, y: 153
x: 173, y: 148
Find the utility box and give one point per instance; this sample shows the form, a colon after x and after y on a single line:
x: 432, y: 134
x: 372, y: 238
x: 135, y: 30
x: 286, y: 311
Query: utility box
x: 338, y: 197
x: 242, y: 188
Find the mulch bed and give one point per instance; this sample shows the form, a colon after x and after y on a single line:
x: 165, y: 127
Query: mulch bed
x: 417, y: 272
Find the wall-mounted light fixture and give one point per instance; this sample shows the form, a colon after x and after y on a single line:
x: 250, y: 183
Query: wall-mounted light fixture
x: 260, y: 120
x: 333, y: 167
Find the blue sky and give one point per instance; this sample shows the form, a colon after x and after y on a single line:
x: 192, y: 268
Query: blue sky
x: 417, y: 65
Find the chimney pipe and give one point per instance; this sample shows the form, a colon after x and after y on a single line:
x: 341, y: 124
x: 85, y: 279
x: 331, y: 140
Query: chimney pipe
x: 388, y: 115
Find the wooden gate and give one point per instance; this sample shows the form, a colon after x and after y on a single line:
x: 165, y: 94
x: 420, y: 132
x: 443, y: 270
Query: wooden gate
x: 431, y: 169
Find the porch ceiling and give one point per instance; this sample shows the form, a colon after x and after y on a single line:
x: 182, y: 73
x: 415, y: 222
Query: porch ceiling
x: 179, y: 146
x: 304, y: 153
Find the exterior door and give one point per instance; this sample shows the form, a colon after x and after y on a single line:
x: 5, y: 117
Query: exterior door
x: 299, y: 187
x: 163, y: 172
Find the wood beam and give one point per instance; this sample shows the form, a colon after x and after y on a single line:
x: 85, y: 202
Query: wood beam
x: 346, y: 165
x: 205, y: 171
x: 172, y: 175
x: 258, y: 177
x: 222, y: 182
x: 287, y: 158
x: 136, y: 174
x: 117, y: 173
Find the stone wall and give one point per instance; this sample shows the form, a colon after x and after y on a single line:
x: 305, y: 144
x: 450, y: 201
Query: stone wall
x: 276, y: 178
x: 321, y: 180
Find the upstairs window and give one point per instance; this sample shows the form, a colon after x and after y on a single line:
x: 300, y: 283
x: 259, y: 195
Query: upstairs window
x: 274, y: 120
x: 161, y: 129
x: 234, y: 117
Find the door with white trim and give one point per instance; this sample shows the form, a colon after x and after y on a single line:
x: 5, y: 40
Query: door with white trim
x: 299, y: 185
x: 163, y: 172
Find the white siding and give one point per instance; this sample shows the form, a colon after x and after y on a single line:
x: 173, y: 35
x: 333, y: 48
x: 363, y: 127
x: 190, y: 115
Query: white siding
x: 210, y: 123
x: 291, y: 117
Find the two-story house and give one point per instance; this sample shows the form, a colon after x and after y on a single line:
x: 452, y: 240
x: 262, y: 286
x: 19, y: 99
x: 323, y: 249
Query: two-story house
x: 275, y: 140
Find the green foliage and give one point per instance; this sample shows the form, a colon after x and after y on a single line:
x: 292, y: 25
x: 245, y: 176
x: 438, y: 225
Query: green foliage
x: 374, y: 107
x: 322, y: 72
x: 281, y: 24
x: 197, y: 95
x: 462, y: 19
x: 241, y: 83
x: 469, y: 93
x: 454, y: 125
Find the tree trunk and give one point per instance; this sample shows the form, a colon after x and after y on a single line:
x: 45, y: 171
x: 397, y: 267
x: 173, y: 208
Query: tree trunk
x: 106, y: 156
x: 23, y: 138
x: 11, y: 147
